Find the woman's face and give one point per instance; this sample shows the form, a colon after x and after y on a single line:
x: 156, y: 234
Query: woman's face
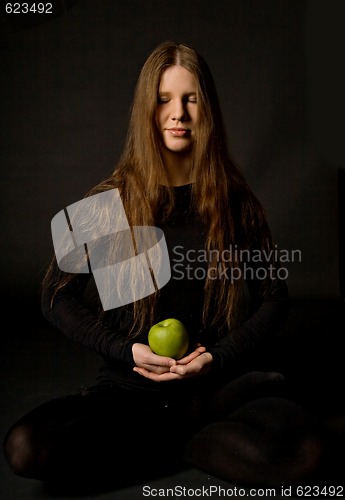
x: 177, y: 109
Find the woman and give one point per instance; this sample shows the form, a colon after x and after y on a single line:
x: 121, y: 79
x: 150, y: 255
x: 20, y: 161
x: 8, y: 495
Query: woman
x: 211, y: 409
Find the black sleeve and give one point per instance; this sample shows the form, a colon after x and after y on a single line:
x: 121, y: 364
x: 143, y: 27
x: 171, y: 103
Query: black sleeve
x: 69, y: 314
x: 243, y: 340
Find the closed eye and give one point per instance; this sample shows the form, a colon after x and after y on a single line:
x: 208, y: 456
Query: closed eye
x: 162, y: 99
x: 190, y: 97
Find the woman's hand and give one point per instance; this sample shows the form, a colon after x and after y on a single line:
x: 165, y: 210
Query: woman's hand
x: 160, y: 368
x: 148, y: 361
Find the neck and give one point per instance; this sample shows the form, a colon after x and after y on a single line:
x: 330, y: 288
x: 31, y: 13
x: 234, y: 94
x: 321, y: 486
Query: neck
x: 180, y: 168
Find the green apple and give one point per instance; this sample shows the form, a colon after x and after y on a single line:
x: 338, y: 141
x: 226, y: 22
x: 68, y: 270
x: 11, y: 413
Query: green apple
x: 169, y: 338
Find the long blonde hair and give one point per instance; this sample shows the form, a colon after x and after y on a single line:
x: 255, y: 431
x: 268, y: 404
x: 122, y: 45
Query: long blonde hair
x: 221, y: 196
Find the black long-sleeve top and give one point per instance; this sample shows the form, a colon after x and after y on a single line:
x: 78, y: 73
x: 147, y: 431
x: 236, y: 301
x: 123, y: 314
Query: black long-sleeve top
x: 181, y: 298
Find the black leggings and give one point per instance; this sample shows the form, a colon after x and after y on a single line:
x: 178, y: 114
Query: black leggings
x: 247, y: 434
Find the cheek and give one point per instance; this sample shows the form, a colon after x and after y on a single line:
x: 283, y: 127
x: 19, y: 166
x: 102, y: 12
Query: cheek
x: 195, y: 115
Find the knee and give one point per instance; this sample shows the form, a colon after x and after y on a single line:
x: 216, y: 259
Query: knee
x: 20, y: 452
x: 231, y: 438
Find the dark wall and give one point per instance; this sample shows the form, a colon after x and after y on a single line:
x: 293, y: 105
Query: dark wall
x: 66, y: 89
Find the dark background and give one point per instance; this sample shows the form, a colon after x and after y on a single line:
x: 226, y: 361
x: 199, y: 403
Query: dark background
x: 66, y: 89
x: 67, y: 82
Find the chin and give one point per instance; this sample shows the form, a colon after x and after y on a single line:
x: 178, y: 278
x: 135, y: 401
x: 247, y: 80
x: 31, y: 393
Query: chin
x: 179, y: 149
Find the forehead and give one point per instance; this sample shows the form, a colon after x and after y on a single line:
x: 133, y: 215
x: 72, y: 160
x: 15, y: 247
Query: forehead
x: 177, y: 78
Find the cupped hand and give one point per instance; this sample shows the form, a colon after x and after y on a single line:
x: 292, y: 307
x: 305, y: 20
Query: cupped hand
x: 162, y: 369
x: 147, y: 361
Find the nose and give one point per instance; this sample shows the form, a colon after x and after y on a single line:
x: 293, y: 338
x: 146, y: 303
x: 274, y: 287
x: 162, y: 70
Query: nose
x: 179, y: 112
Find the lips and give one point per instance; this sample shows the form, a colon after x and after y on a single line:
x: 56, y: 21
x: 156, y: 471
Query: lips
x: 178, y: 132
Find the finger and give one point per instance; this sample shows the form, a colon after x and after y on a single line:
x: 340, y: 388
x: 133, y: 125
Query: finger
x: 201, y: 348
x: 155, y: 377
x: 188, y: 370
x: 162, y: 361
x: 157, y: 370
x: 154, y: 368
x: 179, y: 369
x: 191, y: 356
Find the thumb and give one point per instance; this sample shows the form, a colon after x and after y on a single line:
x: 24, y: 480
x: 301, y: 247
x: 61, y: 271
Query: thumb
x: 164, y: 361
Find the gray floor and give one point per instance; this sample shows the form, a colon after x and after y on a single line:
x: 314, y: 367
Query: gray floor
x: 37, y: 364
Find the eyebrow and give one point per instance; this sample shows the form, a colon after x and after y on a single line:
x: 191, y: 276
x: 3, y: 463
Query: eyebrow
x: 169, y: 93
